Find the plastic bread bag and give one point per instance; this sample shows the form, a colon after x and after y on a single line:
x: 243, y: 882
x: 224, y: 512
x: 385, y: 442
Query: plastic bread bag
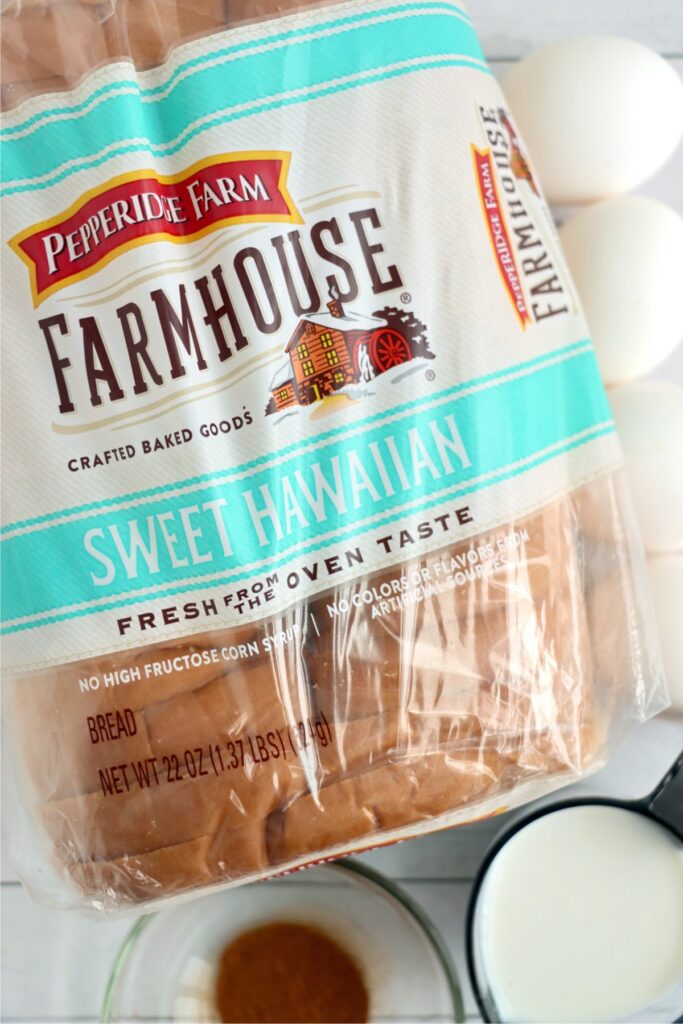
x: 315, y: 534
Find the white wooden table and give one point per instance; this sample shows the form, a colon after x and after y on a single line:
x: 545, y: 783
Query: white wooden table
x: 55, y: 965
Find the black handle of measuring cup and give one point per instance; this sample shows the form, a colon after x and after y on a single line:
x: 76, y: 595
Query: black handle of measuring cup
x: 665, y: 802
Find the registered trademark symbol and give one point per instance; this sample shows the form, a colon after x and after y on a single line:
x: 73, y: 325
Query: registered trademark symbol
x: 406, y: 297
x: 430, y: 375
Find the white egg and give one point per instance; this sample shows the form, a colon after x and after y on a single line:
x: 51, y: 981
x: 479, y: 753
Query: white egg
x: 649, y: 419
x: 599, y: 115
x: 626, y: 258
x: 666, y: 577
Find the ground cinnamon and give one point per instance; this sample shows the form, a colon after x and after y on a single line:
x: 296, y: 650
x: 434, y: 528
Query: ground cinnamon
x: 289, y: 974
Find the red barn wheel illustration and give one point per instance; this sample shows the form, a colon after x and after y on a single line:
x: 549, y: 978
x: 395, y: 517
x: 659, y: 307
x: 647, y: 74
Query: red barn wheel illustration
x: 376, y: 352
x: 388, y: 348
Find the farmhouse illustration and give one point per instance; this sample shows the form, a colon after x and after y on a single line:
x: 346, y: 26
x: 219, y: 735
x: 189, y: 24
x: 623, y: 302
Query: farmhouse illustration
x: 519, y: 165
x: 331, y: 349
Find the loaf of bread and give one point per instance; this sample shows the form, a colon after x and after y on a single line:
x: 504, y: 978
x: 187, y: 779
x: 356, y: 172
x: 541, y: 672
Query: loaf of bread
x: 431, y: 685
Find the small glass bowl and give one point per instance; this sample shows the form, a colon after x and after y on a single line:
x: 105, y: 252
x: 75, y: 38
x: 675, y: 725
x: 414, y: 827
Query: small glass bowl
x: 165, y: 969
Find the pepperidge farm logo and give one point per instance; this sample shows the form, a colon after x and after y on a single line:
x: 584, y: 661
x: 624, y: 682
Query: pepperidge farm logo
x: 145, y: 206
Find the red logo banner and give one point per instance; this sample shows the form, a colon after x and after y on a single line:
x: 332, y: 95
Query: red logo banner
x: 498, y: 233
x: 145, y: 206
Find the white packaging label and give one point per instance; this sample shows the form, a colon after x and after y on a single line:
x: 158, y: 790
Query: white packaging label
x: 284, y: 311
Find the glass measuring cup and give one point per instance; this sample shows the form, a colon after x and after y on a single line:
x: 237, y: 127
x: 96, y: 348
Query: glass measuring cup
x: 165, y: 968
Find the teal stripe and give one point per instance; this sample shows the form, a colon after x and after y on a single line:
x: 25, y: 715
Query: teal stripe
x: 196, y: 62
x: 271, y: 105
x: 500, y: 425
x: 255, y: 78
x: 320, y: 440
x: 458, y: 492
